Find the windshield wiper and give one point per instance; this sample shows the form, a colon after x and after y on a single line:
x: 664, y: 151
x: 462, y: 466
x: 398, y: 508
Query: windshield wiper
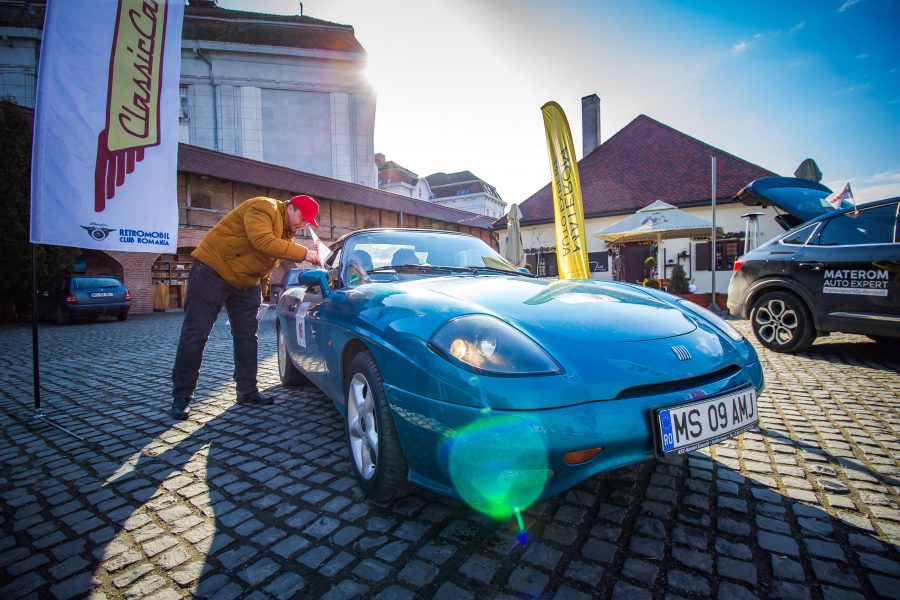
x: 487, y: 269
x: 445, y: 269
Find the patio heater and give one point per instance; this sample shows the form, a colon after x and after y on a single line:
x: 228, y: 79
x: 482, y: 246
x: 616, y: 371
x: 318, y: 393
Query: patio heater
x: 751, y: 230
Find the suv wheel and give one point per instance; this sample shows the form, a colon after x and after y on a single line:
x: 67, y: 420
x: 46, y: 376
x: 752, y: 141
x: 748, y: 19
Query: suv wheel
x: 781, y: 323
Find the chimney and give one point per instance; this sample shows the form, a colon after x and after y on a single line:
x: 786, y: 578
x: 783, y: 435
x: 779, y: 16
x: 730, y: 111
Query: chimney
x: 590, y: 124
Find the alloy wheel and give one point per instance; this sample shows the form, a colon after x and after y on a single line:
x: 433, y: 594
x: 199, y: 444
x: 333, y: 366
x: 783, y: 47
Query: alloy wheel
x: 361, y: 426
x: 776, y: 322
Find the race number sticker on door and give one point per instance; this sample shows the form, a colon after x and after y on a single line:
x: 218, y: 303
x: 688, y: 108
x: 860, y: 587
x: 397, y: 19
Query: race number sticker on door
x: 302, y: 309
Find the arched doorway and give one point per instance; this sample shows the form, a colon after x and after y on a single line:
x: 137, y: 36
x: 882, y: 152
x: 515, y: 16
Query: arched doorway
x: 98, y: 262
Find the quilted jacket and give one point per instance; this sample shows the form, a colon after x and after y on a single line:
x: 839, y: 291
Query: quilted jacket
x: 247, y: 245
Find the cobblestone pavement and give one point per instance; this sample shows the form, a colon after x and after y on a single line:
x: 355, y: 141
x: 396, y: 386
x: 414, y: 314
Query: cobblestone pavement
x: 241, y: 502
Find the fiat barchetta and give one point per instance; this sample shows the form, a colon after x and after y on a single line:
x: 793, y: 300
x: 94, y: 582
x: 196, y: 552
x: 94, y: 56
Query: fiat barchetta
x: 457, y: 372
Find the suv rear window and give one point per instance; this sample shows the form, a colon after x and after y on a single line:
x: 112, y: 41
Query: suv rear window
x: 869, y: 226
x: 84, y: 283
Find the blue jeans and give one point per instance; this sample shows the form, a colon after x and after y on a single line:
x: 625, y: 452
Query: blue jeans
x: 206, y: 294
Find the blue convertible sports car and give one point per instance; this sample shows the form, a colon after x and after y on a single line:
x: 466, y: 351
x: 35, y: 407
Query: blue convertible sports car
x: 459, y: 373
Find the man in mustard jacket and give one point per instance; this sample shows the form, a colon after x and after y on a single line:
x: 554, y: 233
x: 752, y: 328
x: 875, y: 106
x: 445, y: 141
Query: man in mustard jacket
x: 229, y: 265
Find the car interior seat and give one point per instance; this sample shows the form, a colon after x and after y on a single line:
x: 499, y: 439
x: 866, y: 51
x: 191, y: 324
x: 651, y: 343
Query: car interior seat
x: 404, y: 256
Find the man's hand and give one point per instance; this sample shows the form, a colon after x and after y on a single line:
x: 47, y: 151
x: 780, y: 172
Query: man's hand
x: 313, y: 257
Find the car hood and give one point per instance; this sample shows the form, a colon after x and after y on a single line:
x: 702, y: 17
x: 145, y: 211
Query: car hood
x: 801, y: 199
x: 583, y: 311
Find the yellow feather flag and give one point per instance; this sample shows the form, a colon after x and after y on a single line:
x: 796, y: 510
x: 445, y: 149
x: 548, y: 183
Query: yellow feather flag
x: 568, y: 212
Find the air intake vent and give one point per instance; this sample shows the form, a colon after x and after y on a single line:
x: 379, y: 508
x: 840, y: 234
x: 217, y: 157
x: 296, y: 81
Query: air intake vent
x: 658, y: 389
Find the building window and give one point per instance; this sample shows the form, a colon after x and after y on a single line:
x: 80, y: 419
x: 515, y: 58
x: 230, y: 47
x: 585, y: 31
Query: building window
x: 727, y: 251
x: 200, y: 201
x: 543, y: 264
x: 183, y: 113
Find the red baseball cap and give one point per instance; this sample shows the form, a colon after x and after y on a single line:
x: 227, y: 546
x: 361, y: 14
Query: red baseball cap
x: 308, y: 207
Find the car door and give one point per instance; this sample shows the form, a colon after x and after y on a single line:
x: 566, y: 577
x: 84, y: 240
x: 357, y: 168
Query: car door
x: 311, y: 331
x: 852, y: 268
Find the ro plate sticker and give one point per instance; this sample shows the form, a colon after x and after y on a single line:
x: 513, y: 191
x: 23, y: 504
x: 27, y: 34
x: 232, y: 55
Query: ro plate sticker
x: 856, y: 282
x: 302, y: 309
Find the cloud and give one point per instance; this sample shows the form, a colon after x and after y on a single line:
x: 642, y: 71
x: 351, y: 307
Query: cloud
x: 860, y: 88
x: 847, y: 4
x: 873, y: 187
x: 862, y: 55
x: 887, y: 176
x: 876, y: 192
x: 796, y: 28
x: 743, y: 45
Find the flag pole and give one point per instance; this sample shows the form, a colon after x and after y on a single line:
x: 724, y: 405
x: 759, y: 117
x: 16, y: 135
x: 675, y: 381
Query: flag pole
x: 38, y: 416
x: 713, y: 255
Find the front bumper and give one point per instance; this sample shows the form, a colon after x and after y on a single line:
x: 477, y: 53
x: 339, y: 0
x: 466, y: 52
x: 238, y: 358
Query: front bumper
x: 428, y: 429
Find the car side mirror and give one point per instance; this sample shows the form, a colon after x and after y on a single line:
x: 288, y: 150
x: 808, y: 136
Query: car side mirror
x: 316, y: 278
x: 524, y: 270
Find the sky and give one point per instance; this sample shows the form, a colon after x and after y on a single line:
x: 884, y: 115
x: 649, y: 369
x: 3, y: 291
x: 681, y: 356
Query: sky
x: 460, y: 84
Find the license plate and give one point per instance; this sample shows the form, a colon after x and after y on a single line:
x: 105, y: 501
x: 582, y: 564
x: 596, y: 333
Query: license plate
x: 101, y: 294
x: 688, y: 427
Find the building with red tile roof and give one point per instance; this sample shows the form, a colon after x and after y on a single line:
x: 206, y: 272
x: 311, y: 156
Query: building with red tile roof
x: 644, y: 162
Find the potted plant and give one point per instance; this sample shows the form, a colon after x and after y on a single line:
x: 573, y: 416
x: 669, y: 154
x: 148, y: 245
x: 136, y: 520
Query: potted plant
x: 678, y: 285
x: 650, y: 268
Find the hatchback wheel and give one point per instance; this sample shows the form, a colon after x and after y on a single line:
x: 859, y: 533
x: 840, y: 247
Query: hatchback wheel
x: 375, y: 451
x: 61, y: 317
x: 781, y: 323
x: 289, y: 374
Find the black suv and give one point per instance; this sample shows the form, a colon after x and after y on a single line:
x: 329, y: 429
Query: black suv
x: 837, y: 269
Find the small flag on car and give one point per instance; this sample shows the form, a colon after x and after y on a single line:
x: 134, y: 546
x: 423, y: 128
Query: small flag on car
x: 321, y: 249
x: 836, y: 199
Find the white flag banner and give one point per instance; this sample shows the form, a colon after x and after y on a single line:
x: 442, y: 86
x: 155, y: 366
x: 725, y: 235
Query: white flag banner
x: 837, y: 199
x: 105, y: 156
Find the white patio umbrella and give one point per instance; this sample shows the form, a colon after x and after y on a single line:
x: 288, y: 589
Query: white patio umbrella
x: 657, y: 222
x: 514, y: 251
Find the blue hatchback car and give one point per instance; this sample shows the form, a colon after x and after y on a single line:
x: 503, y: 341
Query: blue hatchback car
x: 457, y: 372
x: 77, y: 296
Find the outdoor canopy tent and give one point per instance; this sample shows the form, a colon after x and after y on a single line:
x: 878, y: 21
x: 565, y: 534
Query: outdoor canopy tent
x: 656, y: 222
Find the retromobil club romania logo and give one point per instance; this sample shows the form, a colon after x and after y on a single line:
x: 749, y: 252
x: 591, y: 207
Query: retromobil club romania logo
x: 99, y: 232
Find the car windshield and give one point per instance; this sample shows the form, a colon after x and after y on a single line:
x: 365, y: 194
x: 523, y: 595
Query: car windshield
x: 84, y: 283
x: 384, y: 250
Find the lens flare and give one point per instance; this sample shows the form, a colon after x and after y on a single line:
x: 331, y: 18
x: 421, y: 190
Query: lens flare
x: 498, y: 465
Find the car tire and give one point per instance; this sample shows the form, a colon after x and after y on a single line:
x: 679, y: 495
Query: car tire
x: 61, y: 317
x: 289, y: 374
x: 781, y: 322
x: 376, y: 456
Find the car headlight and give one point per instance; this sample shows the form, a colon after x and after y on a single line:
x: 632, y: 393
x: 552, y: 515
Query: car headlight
x: 485, y: 344
x: 720, y: 323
